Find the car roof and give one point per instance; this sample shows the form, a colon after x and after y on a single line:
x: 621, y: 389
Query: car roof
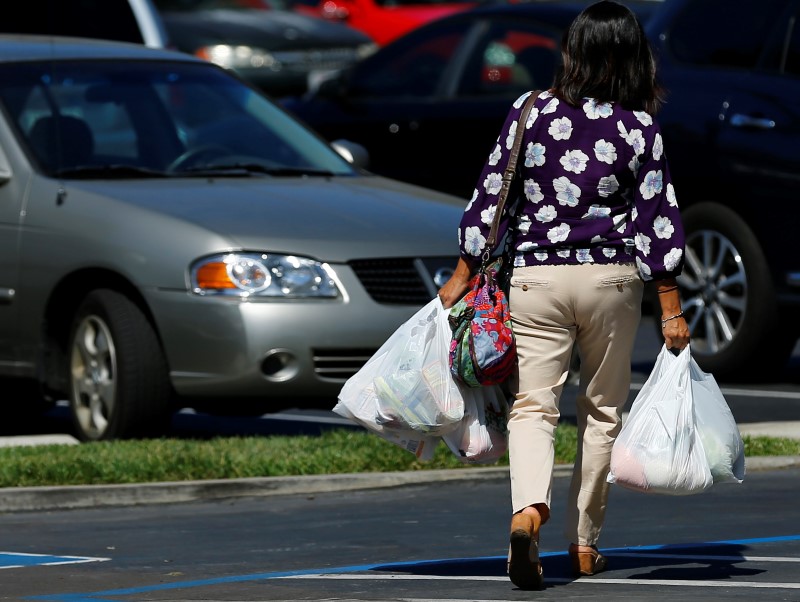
x: 17, y: 48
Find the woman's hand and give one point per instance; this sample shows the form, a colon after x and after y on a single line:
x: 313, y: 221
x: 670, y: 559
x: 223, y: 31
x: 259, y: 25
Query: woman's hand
x: 675, y: 329
x: 676, y: 333
x: 458, y: 284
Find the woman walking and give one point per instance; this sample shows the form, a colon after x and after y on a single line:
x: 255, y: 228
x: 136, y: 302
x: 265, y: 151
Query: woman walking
x: 596, y: 217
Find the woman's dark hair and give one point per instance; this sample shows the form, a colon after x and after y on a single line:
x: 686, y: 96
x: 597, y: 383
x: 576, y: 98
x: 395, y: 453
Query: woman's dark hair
x: 606, y: 56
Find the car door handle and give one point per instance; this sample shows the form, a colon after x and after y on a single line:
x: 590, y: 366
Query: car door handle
x: 746, y: 121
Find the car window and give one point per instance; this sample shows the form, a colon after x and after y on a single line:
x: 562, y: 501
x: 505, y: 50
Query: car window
x: 99, y: 19
x: 509, y: 59
x: 160, y: 116
x: 413, y: 66
x: 724, y: 33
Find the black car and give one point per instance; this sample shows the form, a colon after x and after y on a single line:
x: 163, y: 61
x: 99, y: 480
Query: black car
x: 281, y: 52
x: 428, y: 106
x: 731, y: 130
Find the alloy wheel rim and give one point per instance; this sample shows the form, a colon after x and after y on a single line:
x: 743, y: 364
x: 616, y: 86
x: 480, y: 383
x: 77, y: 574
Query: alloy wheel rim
x: 94, y: 371
x: 714, y: 291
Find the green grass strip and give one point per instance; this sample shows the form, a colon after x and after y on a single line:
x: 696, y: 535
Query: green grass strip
x: 338, y: 451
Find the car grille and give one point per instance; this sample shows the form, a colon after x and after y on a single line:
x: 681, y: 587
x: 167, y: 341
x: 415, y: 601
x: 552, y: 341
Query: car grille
x: 322, y: 58
x: 340, y: 364
x: 394, y: 280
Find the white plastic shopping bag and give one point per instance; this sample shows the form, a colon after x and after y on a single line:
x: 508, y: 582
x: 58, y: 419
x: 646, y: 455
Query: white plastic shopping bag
x: 482, y: 436
x: 659, y: 449
x: 721, y: 439
x: 405, y: 392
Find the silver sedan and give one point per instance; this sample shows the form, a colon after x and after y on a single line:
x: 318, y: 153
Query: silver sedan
x: 171, y: 238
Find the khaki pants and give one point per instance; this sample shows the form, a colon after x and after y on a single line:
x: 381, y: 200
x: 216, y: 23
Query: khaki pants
x: 553, y: 307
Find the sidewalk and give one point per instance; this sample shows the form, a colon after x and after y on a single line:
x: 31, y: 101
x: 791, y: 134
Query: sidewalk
x: 21, y: 499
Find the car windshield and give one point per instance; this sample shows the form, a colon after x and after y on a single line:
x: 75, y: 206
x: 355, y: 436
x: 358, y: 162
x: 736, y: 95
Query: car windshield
x: 104, y: 119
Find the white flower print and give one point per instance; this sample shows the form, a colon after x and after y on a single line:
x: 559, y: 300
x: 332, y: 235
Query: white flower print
x: 519, y: 260
x: 644, y: 269
x: 568, y: 193
x: 560, y: 129
x: 672, y: 259
x: 605, y: 151
x: 671, y: 198
x: 459, y: 237
x: 607, y: 186
x: 496, y: 155
x: 663, y: 227
x: 643, y: 244
x: 546, y: 214
x: 584, y: 256
x: 597, y: 212
x: 644, y: 118
x: 608, y: 252
x: 595, y: 110
x: 524, y: 224
x: 634, y: 166
x: 550, y: 106
x: 521, y: 100
x: 532, y: 116
x: 633, y: 138
x: 597, y: 239
x: 533, y: 192
x: 658, y: 147
x: 574, y: 161
x: 619, y: 222
x: 487, y: 215
x: 541, y: 255
x: 526, y: 246
x: 534, y: 155
x: 512, y: 132
x: 472, y: 200
x: 652, y: 184
x: 474, y: 241
x: 559, y: 233
x: 493, y: 183
x: 563, y: 253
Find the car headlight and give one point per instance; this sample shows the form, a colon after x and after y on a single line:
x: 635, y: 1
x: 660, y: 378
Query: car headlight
x: 263, y: 275
x: 238, y: 57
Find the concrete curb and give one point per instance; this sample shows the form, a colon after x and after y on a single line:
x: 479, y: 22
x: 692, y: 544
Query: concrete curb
x: 27, y: 499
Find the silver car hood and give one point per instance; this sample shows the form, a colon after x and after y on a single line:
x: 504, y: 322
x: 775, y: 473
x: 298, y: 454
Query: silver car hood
x: 331, y: 219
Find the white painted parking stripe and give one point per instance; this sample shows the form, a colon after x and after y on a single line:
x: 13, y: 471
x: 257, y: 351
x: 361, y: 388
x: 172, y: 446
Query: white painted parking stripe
x: 16, y: 560
x: 592, y: 580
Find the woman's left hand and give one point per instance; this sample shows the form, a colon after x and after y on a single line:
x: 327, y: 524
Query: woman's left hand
x: 458, y: 284
x: 676, y: 333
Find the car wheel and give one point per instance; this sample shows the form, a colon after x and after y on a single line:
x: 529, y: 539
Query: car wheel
x: 728, y: 298
x: 119, y: 383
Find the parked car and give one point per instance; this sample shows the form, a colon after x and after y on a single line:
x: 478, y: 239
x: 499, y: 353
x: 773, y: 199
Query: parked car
x: 135, y: 21
x: 169, y: 237
x: 429, y: 106
x: 280, y: 51
x: 732, y: 133
x: 383, y: 20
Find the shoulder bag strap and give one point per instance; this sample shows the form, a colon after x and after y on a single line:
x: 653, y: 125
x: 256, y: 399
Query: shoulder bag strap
x: 510, y: 171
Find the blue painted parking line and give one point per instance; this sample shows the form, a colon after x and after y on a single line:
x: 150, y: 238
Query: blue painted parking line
x: 488, y: 568
x: 15, y: 560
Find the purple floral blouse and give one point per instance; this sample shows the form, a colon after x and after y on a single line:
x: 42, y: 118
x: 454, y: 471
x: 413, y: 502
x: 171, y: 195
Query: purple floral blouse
x: 596, y: 188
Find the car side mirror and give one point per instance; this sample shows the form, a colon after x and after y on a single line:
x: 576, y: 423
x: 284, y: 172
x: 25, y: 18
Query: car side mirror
x: 333, y: 87
x: 354, y: 153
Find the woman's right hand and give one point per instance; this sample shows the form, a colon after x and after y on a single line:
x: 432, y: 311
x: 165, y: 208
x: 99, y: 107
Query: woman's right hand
x: 457, y: 286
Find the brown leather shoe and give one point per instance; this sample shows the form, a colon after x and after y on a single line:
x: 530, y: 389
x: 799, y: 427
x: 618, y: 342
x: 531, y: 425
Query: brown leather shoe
x: 585, y: 563
x: 524, y: 568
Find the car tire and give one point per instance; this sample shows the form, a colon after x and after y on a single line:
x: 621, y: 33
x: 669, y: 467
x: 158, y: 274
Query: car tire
x: 119, y: 381
x: 728, y: 298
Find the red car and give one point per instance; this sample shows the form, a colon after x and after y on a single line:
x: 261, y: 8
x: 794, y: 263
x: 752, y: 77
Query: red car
x: 383, y: 20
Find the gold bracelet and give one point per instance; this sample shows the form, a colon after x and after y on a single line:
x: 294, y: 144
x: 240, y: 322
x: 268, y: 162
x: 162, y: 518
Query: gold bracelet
x: 665, y: 320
